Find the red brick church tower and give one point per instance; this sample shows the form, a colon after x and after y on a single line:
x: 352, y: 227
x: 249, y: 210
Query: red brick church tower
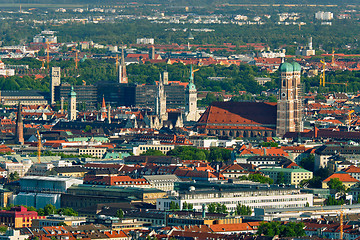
x: 289, y: 106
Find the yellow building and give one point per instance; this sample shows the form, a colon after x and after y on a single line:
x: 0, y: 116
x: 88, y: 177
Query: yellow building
x: 345, y: 178
x: 291, y: 175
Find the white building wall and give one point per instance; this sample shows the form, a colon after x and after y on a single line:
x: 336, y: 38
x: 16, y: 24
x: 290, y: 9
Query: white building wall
x: 280, y: 201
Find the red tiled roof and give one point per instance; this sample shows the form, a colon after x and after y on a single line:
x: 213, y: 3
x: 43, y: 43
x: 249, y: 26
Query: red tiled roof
x: 239, y: 114
x: 352, y: 169
x: 343, y: 177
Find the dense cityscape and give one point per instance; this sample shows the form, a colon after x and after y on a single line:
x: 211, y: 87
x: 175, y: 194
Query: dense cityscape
x: 179, y: 120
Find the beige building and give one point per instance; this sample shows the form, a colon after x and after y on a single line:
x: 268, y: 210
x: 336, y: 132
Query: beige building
x: 155, y: 145
x: 291, y: 175
x: 93, y: 151
x: 347, y: 180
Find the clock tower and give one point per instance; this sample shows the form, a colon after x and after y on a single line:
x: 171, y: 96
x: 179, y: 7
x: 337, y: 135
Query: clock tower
x: 289, y: 107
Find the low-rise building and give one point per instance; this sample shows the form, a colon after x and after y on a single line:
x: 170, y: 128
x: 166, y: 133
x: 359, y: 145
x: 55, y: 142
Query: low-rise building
x: 345, y: 178
x: 154, y: 145
x: 162, y: 182
x: 81, y: 196
x: 290, y: 175
x: 18, y: 217
x: 57, y: 220
x: 254, y: 196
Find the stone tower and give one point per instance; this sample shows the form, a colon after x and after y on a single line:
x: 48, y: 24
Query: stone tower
x: 19, y: 130
x: 72, y: 105
x: 160, y: 101
x: 165, y: 78
x: 54, y: 81
x: 122, y: 68
x: 289, y: 106
x: 191, y: 112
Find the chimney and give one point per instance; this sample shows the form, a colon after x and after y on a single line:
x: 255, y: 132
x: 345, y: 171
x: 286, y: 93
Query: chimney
x: 19, y: 130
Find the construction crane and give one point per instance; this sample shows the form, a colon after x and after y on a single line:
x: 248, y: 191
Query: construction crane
x: 43, y: 64
x: 39, y: 147
x: 195, y: 71
x: 322, y: 76
x: 333, y: 58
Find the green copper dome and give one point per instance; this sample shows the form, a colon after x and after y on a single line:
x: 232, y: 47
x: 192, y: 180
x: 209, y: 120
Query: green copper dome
x: 297, y: 67
x: 286, y: 67
x: 191, y: 86
x: 72, y: 93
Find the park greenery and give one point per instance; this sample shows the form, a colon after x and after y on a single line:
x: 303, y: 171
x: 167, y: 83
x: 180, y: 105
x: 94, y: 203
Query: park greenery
x: 174, y: 206
x: 274, y: 228
x: 215, y: 154
x: 257, y: 178
x: 337, y: 185
x: 216, y: 208
x: 243, y: 210
x: 188, y: 206
x: 332, y: 201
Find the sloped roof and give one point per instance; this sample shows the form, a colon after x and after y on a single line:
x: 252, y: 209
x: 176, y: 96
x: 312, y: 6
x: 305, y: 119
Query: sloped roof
x: 343, y: 177
x: 240, y: 113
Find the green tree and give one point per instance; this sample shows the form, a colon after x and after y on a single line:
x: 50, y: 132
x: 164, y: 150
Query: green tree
x: 49, y: 209
x: 185, y: 206
x: 308, y: 162
x: 3, y: 229
x: 269, y: 144
x: 88, y: 128
x: 152, y: 152
x: 67, y: 212
x: 330, y: 201
x: 120, y: 214
x: 273, y: 228
x: 41, y: 212
x: 211, y: 208
x: 280, y: 178
x: 243, y: 210
x: 14, y: 176
x: 336, y: 184
x: 174, y: 206
x: 257, y: 178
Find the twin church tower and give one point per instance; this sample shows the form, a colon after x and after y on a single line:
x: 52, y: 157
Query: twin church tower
x: 289, y: 105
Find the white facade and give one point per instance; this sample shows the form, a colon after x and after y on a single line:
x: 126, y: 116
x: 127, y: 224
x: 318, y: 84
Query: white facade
x: 154, y: 146
x: 145, y: 41
x: 255, y: 199
x: 12, y: 234
x: 324, y: 15
x: 47, y: 184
